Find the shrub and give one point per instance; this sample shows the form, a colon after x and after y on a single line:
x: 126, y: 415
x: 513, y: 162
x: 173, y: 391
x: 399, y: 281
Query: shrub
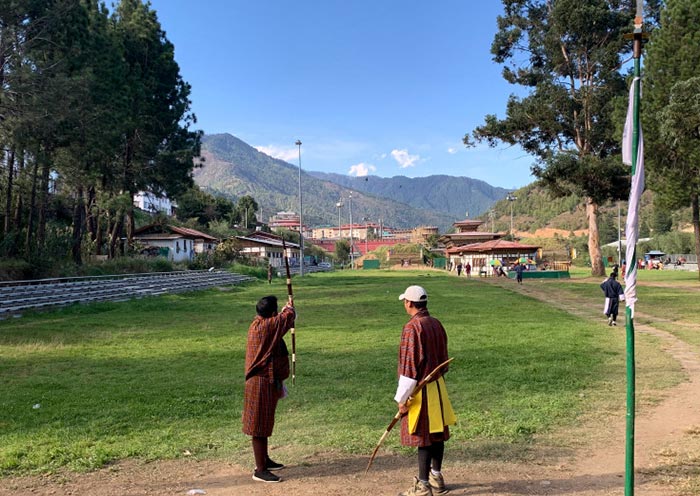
x: 247, y: 270
x: 14, y: 269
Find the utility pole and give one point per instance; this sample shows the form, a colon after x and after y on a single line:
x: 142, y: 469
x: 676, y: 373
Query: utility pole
x: 301, y: 224
x: 339, y: 205
x: 511, y: 198
x: 352, y: 246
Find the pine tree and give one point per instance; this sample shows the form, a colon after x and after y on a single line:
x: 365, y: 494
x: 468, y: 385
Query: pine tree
x: 567, y: 54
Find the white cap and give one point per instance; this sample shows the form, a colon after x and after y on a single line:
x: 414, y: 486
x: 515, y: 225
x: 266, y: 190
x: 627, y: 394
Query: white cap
x: 414, y: 293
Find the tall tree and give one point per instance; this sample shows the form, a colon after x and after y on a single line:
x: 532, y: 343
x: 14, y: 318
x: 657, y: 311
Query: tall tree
x: 246, y: 208
x: 671, y: 108
x: 158, y: 146
x: 567, y: 54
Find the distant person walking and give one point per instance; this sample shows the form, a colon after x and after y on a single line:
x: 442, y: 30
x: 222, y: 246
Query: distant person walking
x: 519, y: 268
x: 459, y: 269
x: 269, y: 274
x: 468, y: 269
x: 613, y: 293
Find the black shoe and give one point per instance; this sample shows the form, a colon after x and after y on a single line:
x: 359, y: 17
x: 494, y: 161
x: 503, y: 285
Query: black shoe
x: 273, y: 465
x: 266, y: 476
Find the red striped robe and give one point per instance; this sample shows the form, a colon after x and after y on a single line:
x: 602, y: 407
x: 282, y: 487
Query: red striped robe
x: 266, y: 366
x: 423, y: 347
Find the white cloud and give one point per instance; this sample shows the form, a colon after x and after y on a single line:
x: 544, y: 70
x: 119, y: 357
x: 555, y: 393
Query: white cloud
x: 404, y: 159
x: 452, y: 150
x: 361, y: 169
x: 286, y: 154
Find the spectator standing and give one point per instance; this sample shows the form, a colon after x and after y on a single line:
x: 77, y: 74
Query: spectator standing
x: 426, y: 416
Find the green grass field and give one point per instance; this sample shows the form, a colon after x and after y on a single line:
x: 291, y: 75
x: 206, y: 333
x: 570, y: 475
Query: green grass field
x: 162, y: 377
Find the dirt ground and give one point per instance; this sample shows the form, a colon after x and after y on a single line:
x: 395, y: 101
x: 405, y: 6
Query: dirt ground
x: 666, y: 456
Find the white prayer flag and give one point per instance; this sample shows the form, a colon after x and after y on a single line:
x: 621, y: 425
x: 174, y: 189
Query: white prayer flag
x: 637, y: 188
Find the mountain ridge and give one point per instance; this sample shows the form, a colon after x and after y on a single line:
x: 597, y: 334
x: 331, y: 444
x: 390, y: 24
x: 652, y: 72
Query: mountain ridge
x: 233, y: 168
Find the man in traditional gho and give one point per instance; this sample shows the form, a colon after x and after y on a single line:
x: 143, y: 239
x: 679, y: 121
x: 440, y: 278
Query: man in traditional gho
x: 613, y: 291
x: 266, y: 368
x: 428, y: 413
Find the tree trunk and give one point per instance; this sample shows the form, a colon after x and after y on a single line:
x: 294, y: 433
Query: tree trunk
x: 130, y: 226
x: 10, y: 184
x: 43, y: 203
x: 597, y: 268
x: 115, y: 234
x: 19, y: 204
x: 98, y: 233
x: 90, y: 209
x: 78, y: 222
x: 28, y: 244
x: 696, y: 227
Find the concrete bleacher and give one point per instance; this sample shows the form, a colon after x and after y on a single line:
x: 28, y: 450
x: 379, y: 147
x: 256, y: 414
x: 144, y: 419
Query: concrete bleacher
x: 19, y: 296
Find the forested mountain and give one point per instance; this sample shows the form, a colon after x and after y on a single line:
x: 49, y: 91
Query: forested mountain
x: 233, y: 168
x: 453, y: 195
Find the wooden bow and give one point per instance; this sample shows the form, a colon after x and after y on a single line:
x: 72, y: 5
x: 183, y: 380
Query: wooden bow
x: 290, y: 299
x: 398, y: 415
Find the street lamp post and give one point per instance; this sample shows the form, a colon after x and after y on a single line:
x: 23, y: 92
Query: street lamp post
x: 352, y: 247
x: 340, y: 232
x: 366, y: 219
x: 511, y: 198
x: 301, y: 224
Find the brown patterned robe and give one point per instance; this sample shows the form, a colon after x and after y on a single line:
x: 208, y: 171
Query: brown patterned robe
x: 266, y: 366
x: 423, y: 347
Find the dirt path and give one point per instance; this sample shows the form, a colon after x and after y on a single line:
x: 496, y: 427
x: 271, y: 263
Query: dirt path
x: 667, y: 441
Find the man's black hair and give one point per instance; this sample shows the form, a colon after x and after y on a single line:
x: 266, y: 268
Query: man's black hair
x: 420, y: 304
x: 267, y: 306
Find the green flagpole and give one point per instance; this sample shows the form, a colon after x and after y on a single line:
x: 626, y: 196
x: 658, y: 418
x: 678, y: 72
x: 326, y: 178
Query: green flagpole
x: 629, y: 327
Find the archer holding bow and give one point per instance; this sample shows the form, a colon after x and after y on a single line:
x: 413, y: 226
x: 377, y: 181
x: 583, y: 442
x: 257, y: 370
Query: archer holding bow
x: 266, y: 368
x: 426, y: 412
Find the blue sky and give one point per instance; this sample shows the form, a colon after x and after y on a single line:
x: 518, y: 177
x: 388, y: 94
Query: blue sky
x: 380, y: 87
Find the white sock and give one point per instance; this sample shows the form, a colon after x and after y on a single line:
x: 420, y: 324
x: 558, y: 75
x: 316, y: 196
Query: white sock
x: 435, y: 472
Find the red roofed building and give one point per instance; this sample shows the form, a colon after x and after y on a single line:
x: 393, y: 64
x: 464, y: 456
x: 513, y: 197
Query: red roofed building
x: 268, y: 248
x: 488, y: 253
x: 177, y: 244
x: 466, y: 233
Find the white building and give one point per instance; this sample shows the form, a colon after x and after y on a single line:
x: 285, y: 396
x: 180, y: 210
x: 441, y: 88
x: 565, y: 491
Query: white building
x: 177, y: 244
x: 268, y: 247
x: 152, y: 203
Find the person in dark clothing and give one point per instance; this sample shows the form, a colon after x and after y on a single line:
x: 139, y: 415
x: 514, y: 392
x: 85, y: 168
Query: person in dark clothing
x: 519, y: 268
x: 613, y: 293
x: 459, y: 269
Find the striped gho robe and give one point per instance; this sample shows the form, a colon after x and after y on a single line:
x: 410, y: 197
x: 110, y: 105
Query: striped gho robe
x: 423, y: 347
x: 266, y: 366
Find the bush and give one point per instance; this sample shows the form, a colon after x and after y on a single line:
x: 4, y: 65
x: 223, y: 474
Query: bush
x: 127, y: 265
x: 247, y: 270
x: 12, y: 269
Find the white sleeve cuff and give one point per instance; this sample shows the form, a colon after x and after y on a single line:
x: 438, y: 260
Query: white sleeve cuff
x: 404, y: 389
